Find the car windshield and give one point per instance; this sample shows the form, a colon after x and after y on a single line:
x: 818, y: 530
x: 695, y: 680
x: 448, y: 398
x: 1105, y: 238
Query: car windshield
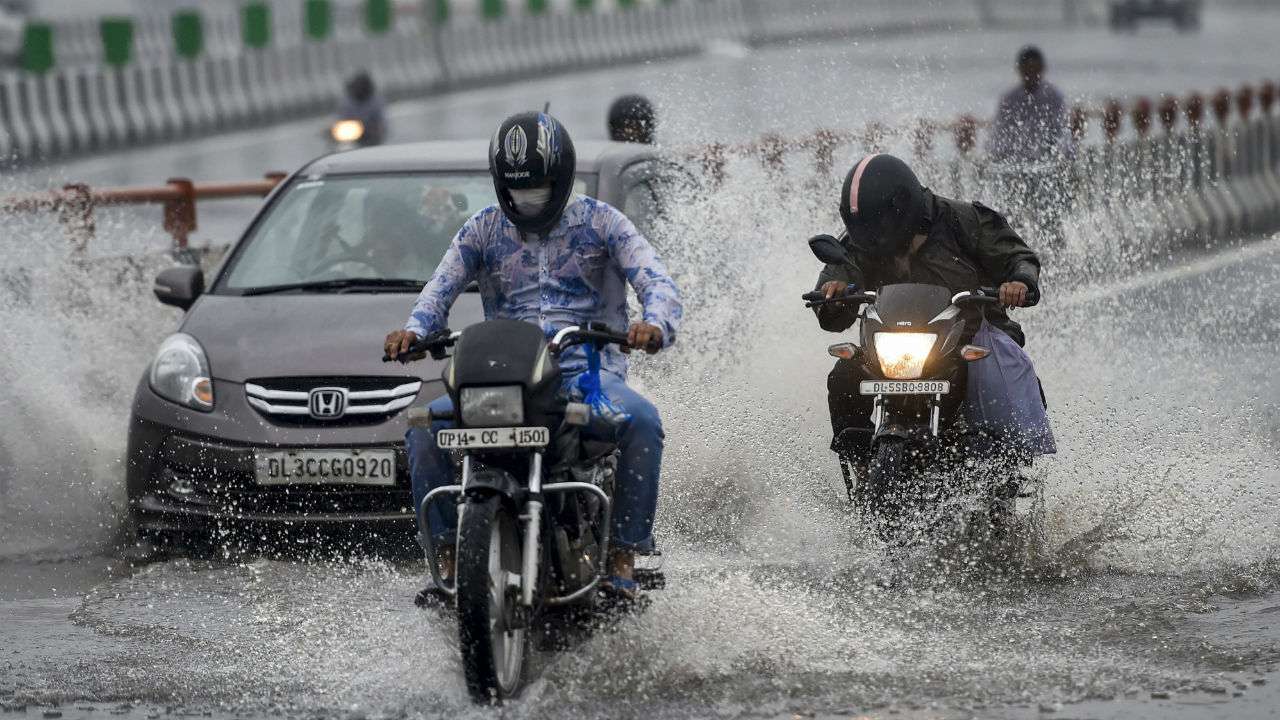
x: 357, y: 231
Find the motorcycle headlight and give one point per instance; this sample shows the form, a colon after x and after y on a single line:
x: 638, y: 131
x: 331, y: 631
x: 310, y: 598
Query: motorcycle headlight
x: 902, y: 355
x: 180, y: 373
x: 347, y: 131
x: 493, y: 406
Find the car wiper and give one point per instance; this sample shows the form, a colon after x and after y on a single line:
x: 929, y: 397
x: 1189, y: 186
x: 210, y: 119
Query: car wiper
x: 338, y: 285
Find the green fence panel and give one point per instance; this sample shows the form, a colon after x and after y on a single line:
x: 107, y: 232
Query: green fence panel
x: 584, y: 5
x: 626, y: 4
x: 117, y: 40
x: 538, y: 7
x: 37, y: 47
x: 377, y: 15
x: 442, y: 12
x: 255, y: 24
x: 491, y: 9
x: 188, y: 34
x: 318, y: 19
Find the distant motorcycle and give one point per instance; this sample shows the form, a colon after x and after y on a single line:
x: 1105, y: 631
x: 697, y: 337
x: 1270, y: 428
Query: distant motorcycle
x: 925, y: 466
x: 535, y: 496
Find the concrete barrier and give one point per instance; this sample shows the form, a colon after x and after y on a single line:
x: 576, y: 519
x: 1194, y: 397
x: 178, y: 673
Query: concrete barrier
x: 74, y: 90
x: 160, y: 96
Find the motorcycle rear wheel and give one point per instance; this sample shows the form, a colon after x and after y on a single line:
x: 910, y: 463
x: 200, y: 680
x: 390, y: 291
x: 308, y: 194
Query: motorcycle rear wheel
x: 493, y: 643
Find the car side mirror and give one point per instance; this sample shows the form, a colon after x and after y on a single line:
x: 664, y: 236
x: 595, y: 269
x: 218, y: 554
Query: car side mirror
x: 179, y: 286
x: 828, y: 250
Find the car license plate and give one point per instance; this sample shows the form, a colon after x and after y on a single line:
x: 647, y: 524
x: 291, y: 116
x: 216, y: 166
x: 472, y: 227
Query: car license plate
x: 509, y: 437
x: 898, y: 387
x: 371, y: 466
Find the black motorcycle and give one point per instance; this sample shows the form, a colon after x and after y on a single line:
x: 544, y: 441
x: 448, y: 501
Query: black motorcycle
x: 924, y: 457
x: 534, y: 493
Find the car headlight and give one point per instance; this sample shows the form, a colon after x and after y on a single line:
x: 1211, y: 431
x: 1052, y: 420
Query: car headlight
x: 902, y: 355
x: 493, y: 406
x: 180, y: 373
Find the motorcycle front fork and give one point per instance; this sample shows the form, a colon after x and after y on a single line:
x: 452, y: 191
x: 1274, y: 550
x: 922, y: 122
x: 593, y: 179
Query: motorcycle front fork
x: 532, y: 518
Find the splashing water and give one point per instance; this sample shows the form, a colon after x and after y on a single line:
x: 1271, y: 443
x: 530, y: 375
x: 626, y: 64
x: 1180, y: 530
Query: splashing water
x: 78, y: 331
x: 1160, y: 509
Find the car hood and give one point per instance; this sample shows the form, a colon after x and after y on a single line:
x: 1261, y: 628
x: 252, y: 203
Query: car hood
x: 292, y: 335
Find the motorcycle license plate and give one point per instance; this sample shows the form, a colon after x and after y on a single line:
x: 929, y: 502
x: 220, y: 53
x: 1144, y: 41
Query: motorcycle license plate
x: 510, y: 437
x: 372, y: 466
x: 900, y: 387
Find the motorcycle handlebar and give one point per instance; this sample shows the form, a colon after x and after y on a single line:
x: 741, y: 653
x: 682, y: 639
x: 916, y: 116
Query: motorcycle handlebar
x: 598, y: 333
x: 850, y: 296
x: 434, y: 344
x: 991, y: 296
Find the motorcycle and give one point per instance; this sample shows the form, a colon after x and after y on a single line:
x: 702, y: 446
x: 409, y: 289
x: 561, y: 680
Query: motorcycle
x: 534, y: 495
x: 924, y: 458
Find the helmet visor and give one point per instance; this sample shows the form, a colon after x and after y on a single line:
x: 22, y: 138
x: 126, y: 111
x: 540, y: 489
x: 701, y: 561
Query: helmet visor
x: 882, y: 232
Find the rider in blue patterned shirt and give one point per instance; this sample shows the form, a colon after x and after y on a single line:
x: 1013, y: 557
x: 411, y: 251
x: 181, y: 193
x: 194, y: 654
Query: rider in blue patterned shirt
x: 546, y: 256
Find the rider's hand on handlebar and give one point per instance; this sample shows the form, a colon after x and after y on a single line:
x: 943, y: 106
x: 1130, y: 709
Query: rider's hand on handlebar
x: 833, y: 288
x: 1013, y: 294
x: 398, y: 342
x: 644, y: 336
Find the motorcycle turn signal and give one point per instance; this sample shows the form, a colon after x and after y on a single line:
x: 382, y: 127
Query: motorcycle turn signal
x: 974, y: 352
x: 844, y: 351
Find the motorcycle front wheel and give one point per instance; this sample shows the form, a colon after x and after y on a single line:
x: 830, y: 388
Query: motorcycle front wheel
x: 888, y: 500
x: 492, y: 639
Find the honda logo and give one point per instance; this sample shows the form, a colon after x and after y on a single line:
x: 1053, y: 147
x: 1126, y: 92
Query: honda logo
x: 328, y: 403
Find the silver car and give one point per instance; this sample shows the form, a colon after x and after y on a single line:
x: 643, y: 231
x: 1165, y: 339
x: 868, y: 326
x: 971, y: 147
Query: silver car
x: 270, y: 405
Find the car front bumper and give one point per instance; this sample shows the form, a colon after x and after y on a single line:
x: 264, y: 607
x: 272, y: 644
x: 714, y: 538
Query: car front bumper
x: 189, y: 470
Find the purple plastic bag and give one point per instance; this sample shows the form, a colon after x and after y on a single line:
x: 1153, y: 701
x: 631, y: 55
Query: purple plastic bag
x: 1004, y: 396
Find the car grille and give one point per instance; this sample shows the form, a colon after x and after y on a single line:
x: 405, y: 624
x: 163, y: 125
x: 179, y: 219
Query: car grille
x: 364, y: 400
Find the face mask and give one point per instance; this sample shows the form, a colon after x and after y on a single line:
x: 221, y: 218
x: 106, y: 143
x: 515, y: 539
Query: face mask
x: 530, y: 202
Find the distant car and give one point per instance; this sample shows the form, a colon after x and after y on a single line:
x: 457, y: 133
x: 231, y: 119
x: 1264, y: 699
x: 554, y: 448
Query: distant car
x: 271, y: 404
x: 1127, y: 14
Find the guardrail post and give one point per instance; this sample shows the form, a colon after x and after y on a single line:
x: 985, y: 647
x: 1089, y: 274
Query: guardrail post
x: 873, y: 136
x: 713, y: 163
x: 1140, y: 114
x: 964, y: 133
x: 1223, y: 165
x: 773, y: 151
x: 824, y: 152
x: 75, y: 214
x: 180, y: 213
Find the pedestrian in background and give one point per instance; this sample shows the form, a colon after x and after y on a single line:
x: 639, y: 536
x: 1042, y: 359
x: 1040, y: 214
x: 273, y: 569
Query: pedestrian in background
x: 1029, y: 145
x: 1031, y: 121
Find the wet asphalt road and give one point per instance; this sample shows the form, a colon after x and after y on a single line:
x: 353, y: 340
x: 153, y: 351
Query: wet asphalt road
x: 1156, y: 591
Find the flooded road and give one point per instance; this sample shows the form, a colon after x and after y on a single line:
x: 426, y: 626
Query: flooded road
x: 1152, y: 589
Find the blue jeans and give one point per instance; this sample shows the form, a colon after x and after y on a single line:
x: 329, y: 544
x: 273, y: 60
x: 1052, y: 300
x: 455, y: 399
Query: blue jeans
x: 635, y: 498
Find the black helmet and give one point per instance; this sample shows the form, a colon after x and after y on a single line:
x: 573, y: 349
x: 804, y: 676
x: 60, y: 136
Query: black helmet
x: 882, y: 205
x: 632, y: 119
x: 360, y: 87
x: 531, y: 150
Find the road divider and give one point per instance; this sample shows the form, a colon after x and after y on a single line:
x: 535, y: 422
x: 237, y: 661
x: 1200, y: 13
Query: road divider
x: 118, y: 82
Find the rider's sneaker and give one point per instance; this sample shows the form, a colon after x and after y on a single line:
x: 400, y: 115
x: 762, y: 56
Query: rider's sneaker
x: 431, y: 597
x: 620, y: 587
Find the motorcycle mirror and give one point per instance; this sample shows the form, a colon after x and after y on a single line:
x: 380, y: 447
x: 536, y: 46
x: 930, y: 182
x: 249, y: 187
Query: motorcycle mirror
x: 828, y: 250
